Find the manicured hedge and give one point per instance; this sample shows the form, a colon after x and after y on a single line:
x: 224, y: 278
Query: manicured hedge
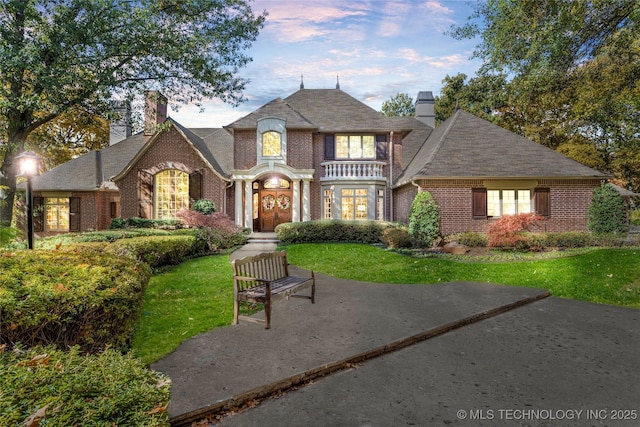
x: 156, y: 251
x: 66, y: 297
x: 331, y: 231
x: 49, y: 387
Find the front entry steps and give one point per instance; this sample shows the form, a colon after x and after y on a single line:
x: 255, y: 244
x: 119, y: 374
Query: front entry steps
x: 258, y: 237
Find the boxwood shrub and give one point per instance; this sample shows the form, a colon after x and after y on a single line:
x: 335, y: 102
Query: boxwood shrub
x: 156, y: 251
x: 49, y: 387
x: 86, y: 298
x: 331, y: 231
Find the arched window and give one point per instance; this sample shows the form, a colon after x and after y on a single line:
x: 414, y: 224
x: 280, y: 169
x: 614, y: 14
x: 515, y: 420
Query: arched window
x: 271, y: 144
x: 171, y: 193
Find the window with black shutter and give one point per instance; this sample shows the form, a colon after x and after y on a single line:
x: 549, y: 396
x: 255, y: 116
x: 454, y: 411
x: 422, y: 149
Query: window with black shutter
x: 195, y: 186
x: 479, y: 203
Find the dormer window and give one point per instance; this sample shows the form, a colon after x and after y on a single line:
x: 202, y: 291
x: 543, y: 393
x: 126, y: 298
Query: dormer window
x: 271, y: 140
x: 271, y: 144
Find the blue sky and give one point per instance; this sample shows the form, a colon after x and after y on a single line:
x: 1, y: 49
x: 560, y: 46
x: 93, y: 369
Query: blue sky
x: 377, y: 48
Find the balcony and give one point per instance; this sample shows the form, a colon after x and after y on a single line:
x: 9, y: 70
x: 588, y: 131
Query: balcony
x: 353, y: 170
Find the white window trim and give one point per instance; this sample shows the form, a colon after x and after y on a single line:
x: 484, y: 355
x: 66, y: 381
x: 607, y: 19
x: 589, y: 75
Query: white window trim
x: 272, y: 124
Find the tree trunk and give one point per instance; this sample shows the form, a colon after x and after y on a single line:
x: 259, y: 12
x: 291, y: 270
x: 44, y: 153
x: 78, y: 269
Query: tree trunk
x: 8, y: 174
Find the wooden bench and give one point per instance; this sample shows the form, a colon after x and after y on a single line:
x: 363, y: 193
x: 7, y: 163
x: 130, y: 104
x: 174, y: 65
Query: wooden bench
x: 263, y: 279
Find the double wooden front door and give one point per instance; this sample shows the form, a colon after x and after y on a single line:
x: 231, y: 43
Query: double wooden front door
x: 275, y: 208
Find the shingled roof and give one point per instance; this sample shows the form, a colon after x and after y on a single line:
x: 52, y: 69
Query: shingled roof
x: 325, y: 110
x: 88, y: 172
x: 466, y: 146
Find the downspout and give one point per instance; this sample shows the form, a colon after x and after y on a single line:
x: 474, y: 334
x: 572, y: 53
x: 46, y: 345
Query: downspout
x: 391, y: 176
x: 225, y: 196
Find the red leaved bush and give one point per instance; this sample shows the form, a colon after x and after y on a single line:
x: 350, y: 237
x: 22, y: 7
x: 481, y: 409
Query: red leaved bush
x: 507, y: 231
x: 216, y: 231
x: 193, y: 218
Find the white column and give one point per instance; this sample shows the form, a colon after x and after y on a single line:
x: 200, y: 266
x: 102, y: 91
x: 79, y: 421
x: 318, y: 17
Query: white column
x: 248, y: 205
x: 295, y: 214
x: 238, y: 207
x: 306, y: 200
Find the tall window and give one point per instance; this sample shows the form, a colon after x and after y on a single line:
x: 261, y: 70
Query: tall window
x: 271, y: 144
x: 327, y: 204
x: 508, y: 202
x: 57, y: 213
x: 354, y: 203
x: 355, y: 147
x: 171, y: 193
x: 380, y: 205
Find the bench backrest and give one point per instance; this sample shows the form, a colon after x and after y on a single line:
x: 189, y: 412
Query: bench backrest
x: 266, y: 266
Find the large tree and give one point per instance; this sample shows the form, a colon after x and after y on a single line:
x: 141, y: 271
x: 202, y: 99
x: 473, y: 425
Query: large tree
x: 61, y: 54
x: 398, y: 106
x: 573, y: 70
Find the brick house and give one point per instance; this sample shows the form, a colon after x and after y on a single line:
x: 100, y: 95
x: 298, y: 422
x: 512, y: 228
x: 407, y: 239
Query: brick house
x: 317, y: 154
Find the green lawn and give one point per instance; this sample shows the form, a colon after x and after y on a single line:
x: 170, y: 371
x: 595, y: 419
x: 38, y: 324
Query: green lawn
x: 197, y: 295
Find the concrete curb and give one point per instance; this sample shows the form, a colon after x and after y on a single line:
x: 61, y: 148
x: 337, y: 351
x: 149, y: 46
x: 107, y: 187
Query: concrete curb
x: 268, y: 390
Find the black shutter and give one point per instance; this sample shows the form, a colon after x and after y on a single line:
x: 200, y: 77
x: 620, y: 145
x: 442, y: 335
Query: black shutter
x: 145, y: 194
x: 74, y: 213
x: 195, y: 186
x: 381, y: 147
x: 479, y: 202
x: 542, y: 201
x: 38, y: 214
x: 329, y: 147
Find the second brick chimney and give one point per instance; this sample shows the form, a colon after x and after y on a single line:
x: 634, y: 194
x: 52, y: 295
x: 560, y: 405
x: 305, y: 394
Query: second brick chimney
x: 155, y: 111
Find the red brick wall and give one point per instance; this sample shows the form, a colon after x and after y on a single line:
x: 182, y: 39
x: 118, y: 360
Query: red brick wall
x: 570, y: 200
x: 170, y: 146
x: 244, y: 149
x: 300, y: 149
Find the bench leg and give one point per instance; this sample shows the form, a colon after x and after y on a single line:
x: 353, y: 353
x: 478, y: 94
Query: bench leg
x: 313, y: 288
x: 267, y: 309
x: 236, y: 311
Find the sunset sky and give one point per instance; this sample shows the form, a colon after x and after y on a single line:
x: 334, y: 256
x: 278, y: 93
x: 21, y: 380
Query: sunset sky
x: 377, y: 48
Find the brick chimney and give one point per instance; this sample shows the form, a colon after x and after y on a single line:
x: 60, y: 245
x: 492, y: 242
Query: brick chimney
x: 425, y: 108
x: 120, y: 127
x: 155, y: 111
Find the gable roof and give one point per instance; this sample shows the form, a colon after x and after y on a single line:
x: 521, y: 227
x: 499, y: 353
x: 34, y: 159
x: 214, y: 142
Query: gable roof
x: 89, y: 171
x: 467, y: 146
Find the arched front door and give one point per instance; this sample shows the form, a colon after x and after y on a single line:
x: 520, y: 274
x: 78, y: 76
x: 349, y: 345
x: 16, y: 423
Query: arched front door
x: 275, y: 203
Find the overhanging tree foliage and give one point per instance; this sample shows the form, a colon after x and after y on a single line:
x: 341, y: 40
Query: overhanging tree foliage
x: 398, y: 106
x: 573, y: 69
x: 61, y: 54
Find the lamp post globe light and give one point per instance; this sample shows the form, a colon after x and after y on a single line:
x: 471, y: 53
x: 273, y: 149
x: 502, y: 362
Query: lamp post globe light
x: 28, y: 167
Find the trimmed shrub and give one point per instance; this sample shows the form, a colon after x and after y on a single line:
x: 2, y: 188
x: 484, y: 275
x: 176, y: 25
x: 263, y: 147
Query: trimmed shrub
x: 508, y: 231
x: 424, y: 218
x: 119, y: 223
x: 46, y: 386
x: 471, y: 239
x: 607, y: 213
x: 397, y: 238
x: 331, y: 231
x: 156, y: 251
x: 67, y: 298
x: 635, y: 217
x: 204, y: 206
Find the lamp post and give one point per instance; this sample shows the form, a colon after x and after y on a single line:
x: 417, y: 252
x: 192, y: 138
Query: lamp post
x: 28, y: 164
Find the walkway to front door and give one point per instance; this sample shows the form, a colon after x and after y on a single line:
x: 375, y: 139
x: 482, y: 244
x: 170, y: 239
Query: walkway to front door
x: 275, y: 208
